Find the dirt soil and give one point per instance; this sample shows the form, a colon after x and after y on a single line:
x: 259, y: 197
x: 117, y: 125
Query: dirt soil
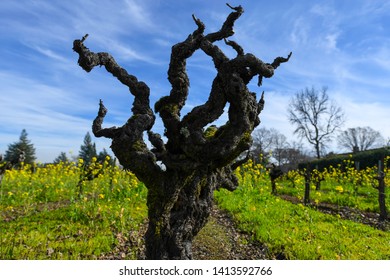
x: 353, y: 214
x: 221, y: 240
x: 218, y: 240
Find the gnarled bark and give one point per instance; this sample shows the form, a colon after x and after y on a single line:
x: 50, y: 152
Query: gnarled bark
x: 180, y: 195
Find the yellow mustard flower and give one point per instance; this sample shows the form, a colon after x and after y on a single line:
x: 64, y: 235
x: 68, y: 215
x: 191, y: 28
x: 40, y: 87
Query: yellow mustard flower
x: 339, y: 189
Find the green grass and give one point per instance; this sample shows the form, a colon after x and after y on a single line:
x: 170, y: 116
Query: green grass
x: 214, y: 240
x: 77, y: 231
x: 62, y: 225
x: 43, y: 216
x: 298, y: 232
x: 343, y: 188
x: 53, y: 234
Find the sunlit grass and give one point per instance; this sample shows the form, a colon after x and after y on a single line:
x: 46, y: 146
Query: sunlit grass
x: 341, y: 185
x: 43, y: 215
x: 294, y: 231
x: 58, y: 212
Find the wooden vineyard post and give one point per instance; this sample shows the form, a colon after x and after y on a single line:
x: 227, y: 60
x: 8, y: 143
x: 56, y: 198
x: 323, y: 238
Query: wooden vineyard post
x: 1, y: 175
x: 306, y: 197
x: 381, y: 192
x: 274, y: 173
x: 4, y: 166
x: 317, y: 177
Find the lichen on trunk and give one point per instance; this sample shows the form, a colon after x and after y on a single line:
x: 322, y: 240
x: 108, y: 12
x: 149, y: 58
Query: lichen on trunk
x: 196, y: 162
x: 176, y: 219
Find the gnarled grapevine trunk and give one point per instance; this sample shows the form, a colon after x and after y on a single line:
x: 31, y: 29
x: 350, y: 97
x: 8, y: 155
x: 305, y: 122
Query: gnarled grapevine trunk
x: 196, y: 160
x: 176, y: 216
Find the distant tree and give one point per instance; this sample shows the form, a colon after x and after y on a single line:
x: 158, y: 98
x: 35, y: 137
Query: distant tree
x: 20, y: 151
x: 296, y: 154
x: 102, y: 157
x: 315, y: 116
x: 269, y: 142
x: 88, y: 149
x: 280, y: 148
x: 263, y: 139
x: 360, y: 139
x: 61, y: 158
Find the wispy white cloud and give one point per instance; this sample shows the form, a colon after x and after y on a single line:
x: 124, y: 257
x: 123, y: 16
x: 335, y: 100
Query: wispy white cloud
x: 46, y: 112
x: 373, y: 114
x: 140, y: 16
x: 382, y: 56
x: 126, y: 52
x: 343, y: 45
x: 51, y: 54
x: 300, y: 32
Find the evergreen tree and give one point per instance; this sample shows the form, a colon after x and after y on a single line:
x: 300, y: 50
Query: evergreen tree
x: 88, y: 149
x: 61, y: 158
x: 102, y: 157
x: 21, y: 151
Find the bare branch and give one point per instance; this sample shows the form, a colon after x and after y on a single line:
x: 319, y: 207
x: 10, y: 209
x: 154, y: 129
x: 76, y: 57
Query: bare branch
x: 200, y: 24
x: 195, y: 160
x: 169, y: 107
x: 228, y: 180
x: 279, y: 60
x: 261, y: 103
x: 127, y: 141
x: 240, y: 162
x: 97, y: 129
x: 234, y: 8
x: 227, y: 28
x: 315, y: 119
x: 360, y: 139
x: 84, y: 38
x: 229, y: 86
x: 235, y: 46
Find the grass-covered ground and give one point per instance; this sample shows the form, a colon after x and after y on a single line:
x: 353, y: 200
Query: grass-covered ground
x: 297, y: 232
x: 45, y: 216
x: 343, y: 186
x: 48, y: 214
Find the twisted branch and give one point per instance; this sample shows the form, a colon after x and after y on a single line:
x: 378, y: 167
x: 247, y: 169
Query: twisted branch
x: 187, y: 147
x: 127, y: 140
x: 169, y: 106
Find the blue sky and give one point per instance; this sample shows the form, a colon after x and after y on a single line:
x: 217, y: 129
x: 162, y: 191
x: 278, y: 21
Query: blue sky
x: 343, y: 44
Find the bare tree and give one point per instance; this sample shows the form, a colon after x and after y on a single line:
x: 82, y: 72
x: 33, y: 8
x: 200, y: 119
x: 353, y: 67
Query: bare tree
x: 360, y: 139
x: 263, y: 139
x: 269, y: 142
x: 296, y: 154
x: 180, y: 195
x: 315, y: 116
x: 280, y: 148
